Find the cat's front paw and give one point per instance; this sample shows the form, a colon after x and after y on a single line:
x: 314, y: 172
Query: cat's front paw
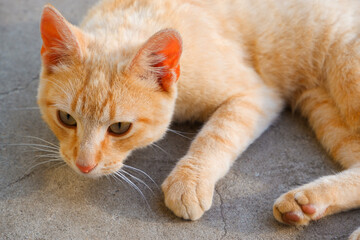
x: 187, y: 194
x: 300, y: 206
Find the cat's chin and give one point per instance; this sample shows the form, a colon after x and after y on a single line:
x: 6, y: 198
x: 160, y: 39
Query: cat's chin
x: 92, y: 175
x: 95, y: 175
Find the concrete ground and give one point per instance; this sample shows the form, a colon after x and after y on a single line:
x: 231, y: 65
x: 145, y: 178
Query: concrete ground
x: 52, y: 202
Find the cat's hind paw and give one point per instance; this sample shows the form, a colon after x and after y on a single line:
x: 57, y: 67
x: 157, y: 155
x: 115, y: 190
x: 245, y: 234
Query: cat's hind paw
x: 355, y: 235
x: 298, y: 207
x: 187, y: 196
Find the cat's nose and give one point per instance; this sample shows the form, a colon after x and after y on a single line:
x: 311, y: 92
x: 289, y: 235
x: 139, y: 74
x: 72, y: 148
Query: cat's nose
x: 86, y: 169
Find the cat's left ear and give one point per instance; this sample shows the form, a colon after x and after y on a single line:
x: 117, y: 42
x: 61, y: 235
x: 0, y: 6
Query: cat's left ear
x: 159, y: 58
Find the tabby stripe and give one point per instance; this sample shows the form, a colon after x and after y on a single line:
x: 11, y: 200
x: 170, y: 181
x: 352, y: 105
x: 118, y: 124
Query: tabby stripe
x: 325, y: 119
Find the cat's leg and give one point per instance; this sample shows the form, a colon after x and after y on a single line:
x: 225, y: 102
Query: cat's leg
x: 329, y: 194
x: 230, y: 130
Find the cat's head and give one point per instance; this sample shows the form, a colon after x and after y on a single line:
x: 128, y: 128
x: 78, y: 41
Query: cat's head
x: 102, y: 105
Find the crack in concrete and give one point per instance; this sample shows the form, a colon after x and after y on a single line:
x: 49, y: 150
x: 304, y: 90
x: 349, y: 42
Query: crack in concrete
x: 20, y: 88
x: 222, y: 214
x: 16, y: 181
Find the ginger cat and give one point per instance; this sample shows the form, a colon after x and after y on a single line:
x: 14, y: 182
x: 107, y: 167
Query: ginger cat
x: 114, y: 84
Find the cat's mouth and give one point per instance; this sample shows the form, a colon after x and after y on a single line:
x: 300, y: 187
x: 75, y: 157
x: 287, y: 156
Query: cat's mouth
x: 99, y: 170
x: 93, y: 171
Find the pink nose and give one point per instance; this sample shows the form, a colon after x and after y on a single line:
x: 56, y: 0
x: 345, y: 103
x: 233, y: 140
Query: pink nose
x: 85, y: 169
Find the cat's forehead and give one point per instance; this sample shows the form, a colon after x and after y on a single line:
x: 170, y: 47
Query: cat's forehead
x: 100, y: 89
x: 108, y: 52
x: 98, y: 93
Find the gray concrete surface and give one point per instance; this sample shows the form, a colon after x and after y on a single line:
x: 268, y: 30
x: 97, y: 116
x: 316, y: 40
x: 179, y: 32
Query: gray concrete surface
x: 53, y: 202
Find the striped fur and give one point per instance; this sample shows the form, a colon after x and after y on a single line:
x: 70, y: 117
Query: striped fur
x: 242, y: 61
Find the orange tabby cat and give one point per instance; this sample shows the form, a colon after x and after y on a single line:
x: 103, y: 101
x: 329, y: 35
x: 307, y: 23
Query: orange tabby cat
x: 115, y: 84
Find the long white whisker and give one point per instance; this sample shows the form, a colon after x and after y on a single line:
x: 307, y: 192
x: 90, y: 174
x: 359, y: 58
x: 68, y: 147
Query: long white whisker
x: 160, y: 148
x: 177, y: 133
x: 107, y: 177
x: 138, y: 179
x: 110, y: 167
x: 45, y: 150
x: 35, y: 149
x: 192, y: 133
x: 57, y: 165
x: 24, y: 108
x: 133, y: 185
x: 141, y: 171
x: 31, y: 145
x: 118, y: 179
x: 43, y: 140
x: 63, y: 165
x: 48, y: 156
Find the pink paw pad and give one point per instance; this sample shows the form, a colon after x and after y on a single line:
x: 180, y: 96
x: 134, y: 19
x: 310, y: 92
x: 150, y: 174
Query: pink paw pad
x: 308, y: 209
x: 290, y: 217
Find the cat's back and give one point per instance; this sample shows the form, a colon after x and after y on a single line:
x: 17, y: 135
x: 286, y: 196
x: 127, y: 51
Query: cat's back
x: 284, y: 42
x: 262, y: 28
x: 289, y: 39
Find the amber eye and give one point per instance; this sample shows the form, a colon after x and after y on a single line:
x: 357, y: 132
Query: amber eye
x: 66, y: 119
x: 119, y: 128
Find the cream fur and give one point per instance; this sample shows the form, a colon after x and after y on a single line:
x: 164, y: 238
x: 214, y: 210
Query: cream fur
x: 242, y: 62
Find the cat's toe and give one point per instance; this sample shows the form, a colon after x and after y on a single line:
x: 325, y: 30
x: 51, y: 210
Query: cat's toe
x: 188, y: 198
x: 297, y: 208
x: 291, y: 217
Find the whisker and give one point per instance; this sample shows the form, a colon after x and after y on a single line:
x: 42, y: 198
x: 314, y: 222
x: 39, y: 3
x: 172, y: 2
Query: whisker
x: 178, y: 133
x: 47, y: 156
x: 34, y: 149
x: 57, y: 165
x: 139, y: 180
x: 24, y: 108
x: 45, y: 150
x: 153, y: 148
x: 141, y: 171
x: 31, y: 145
x: 107, y: 177
x: 191, y: 133
x: 133, y: 185
x: 160, y: 148
x: 43, y: 140
x: 119, y: 179
x: 110, y: 167
x: 62, y: 165
x: 37, y: 149
x: 44, y: 162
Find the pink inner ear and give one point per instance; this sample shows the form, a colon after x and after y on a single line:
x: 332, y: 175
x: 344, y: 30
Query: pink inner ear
x: 160, y: 56
x: 55, y: 34
x: 170, y: 65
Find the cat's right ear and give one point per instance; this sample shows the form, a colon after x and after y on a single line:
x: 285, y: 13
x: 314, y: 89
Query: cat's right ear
x: 159, y: 59
x: 60, y: 38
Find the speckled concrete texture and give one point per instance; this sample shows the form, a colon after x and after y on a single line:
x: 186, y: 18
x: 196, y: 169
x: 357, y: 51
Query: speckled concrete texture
x: 52, y: 202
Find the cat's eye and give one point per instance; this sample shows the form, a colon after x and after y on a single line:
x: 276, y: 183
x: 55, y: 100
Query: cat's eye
x: 119, y: 128
x: 66, y: 119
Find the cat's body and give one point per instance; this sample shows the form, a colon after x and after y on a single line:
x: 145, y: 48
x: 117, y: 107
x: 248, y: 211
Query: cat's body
x: 241, y: 62
x: 285, y: 43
